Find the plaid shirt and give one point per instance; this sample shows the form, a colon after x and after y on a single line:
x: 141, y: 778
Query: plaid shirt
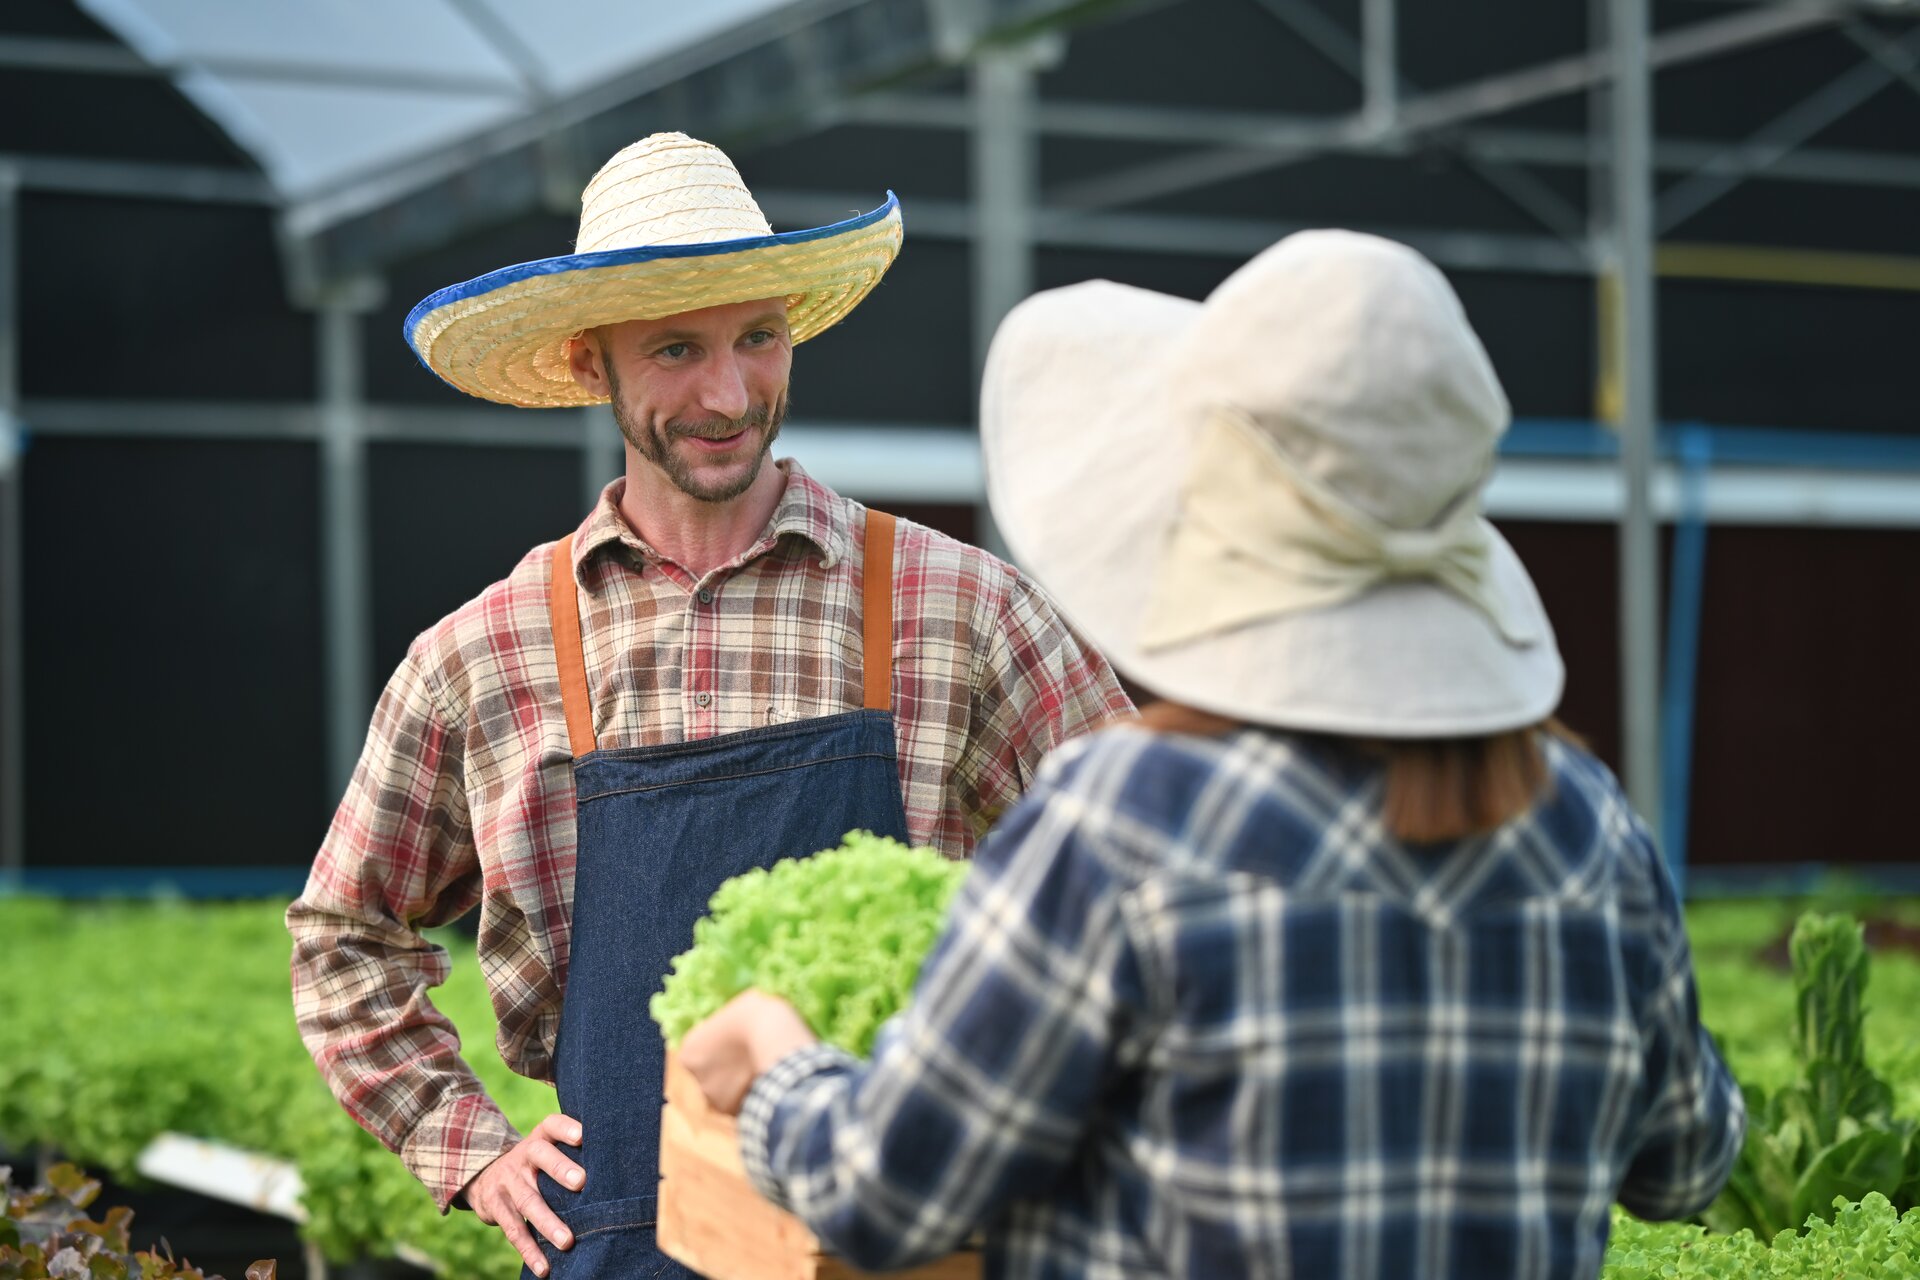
x: 1196, y: 1014
x: 464, y: 793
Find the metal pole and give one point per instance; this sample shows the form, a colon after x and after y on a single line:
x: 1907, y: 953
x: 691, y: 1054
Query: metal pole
x: 1380, y: 79
x: 1005, y: 173
x: 1632, y: 116
x: 13, y: 737
x: 1686, y: 585
x: 347, y: 564
x: 601, y: 454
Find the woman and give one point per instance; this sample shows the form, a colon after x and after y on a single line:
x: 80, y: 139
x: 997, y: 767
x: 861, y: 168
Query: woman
x: 1343, y: 963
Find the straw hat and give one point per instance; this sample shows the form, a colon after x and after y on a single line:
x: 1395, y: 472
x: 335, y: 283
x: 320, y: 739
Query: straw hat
x: 666, y: 226
x: 1267, y: 506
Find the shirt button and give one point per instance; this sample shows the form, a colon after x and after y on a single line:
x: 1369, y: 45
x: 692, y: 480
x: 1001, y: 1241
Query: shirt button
x: 703, y: 699
x: 706, y: 596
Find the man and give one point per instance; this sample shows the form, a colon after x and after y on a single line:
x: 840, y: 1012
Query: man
x: 724, y: 665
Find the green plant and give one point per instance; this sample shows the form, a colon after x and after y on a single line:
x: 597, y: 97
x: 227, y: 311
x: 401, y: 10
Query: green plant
x: 840, y: 935
x: 45, y: 1233
x: 1863, y: 1241
x: 1831, y: 1133
x: 119, y: 1021
x: 1749, y: 1005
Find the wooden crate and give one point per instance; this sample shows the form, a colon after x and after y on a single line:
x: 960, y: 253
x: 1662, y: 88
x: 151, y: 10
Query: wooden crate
x: 711, y: 1218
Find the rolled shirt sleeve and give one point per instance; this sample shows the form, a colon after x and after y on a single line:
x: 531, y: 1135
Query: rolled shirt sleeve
x: 1695, y: 1118
x: 980, y: 1092
x: 397, y: 859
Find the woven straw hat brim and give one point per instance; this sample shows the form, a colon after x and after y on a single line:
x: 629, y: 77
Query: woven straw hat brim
x: 502, y: 336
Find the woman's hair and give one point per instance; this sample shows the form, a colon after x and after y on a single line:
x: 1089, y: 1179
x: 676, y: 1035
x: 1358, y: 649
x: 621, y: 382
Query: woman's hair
x: 1441, y: 789
x: 1437, y: 789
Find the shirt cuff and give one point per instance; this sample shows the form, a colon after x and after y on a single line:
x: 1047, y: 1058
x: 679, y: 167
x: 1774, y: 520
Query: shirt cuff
x: 455, y: 1142
x: 758, y: 1113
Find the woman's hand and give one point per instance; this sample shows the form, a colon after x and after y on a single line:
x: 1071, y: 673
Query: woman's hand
x: 731, y: 1049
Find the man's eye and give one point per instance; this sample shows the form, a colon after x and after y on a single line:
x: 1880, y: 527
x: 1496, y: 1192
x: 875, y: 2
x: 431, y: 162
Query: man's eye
x: 760, y: 337
x: 673, y: 350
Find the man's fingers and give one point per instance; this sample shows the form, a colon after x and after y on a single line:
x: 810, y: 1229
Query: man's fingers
x: 507, y: 1194
x: 554, y: 1162
x: 559, y: 1128
x: 544, y: 1220
x: 522, y: 1239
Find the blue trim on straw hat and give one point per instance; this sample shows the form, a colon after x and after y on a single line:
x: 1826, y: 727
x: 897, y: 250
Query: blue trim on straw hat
x: 506, y: 277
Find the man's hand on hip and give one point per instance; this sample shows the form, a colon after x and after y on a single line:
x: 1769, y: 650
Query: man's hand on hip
x: 506, y: 1193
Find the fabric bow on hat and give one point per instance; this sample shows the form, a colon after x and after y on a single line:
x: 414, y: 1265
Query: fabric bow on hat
x: 1255, y: 537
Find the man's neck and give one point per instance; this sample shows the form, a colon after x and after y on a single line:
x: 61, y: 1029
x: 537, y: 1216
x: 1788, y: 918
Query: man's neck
x: 698, y: 536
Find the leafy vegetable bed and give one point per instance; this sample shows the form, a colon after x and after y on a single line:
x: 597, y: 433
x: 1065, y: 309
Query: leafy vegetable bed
x: 1832, y: 1100
x: 120, y: 1021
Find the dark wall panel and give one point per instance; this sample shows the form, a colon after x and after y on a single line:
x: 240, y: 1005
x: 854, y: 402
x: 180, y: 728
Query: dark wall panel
x: 1809, y: 695
x: 447, y: 522
x: 906, y: 355
x: 1755, y: 355
x: 1807, y: 687
x: 393, y: 372
x: 173, y: 654
x: 1574, y: 567
x: 156, y: 300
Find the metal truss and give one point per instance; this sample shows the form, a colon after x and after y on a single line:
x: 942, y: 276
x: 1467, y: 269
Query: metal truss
x: 772, y: 77
x: 940, y: 463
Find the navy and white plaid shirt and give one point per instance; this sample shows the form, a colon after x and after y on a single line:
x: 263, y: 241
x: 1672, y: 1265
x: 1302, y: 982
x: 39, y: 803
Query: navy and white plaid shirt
x: 1196, y: 1013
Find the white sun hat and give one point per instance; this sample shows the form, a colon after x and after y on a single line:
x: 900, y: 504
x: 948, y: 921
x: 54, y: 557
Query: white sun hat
x: 666, y: 226
x: 1267, y: 506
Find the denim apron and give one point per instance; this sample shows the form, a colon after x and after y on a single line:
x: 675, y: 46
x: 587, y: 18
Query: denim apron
x: 659, y: 829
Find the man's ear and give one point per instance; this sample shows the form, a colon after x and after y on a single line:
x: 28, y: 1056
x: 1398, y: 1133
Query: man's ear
x: 585, y: 360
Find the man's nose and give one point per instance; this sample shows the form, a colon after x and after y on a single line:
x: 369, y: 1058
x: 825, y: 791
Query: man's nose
x: 723, y: 391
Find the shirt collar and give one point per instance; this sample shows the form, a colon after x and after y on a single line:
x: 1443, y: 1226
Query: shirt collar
x: 807, y: 509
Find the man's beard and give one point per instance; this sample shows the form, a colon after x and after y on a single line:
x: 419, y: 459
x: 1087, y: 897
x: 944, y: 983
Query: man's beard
x: 655, y: 443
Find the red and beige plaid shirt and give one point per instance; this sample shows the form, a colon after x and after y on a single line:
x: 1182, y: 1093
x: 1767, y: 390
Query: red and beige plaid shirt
x: 464, y: 793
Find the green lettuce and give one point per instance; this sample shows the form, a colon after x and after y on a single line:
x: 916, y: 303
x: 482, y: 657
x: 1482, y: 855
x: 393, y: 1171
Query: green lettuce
x: 1866, y: 1240
x: 1831, y: 1135
x: 839, y: 935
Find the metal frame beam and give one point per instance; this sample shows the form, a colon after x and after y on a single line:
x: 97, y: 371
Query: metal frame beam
x: 1632, y: 261
x: 1379, y: 64
x: 603, y: 453
x: 1005, y: 158
x: 100, y: 58
x: 1287, y: 135
x: 13, y: 735
x: 1371, y: 61
x: 1448, y: 108
x: 346, y: 561
x: 1885, y: 51
x: 1197, y: 235
x: 941, y: 463
x: 750, y: 82
x: 139, y: 180
x: 1788, y: 130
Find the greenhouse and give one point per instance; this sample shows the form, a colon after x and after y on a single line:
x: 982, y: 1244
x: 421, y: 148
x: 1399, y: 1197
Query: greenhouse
x: 254, y: 536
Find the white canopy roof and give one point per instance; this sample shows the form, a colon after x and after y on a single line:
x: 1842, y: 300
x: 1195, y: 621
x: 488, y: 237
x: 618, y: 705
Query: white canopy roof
x: 325, y: 91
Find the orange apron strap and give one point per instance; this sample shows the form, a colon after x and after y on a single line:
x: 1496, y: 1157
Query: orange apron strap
x: 563, y: 604
x: 877, y: 612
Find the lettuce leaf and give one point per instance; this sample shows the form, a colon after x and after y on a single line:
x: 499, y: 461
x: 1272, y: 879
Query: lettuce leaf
x: 839, y: 935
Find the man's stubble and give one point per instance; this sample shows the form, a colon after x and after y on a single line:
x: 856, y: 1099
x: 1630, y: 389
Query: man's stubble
x: 654, y: 443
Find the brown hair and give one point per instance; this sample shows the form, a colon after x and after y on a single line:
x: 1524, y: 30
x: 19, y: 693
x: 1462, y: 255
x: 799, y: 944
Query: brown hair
x: 1451, y: 788
x: 1437, y: 789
